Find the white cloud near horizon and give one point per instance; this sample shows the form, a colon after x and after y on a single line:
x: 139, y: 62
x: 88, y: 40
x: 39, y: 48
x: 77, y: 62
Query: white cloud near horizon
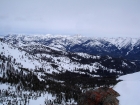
x: 85, y: 17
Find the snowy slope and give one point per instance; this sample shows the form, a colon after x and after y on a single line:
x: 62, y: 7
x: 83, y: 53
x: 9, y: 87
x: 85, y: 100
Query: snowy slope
x: 20, y: 57
x: 23, y: 59
x: 129, y: 89
x: 33, y: 62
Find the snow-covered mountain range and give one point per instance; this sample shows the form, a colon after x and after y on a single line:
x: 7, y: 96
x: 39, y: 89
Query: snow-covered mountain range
x: 117, y: 47
x: 64, y: 66
x: 68, y: 53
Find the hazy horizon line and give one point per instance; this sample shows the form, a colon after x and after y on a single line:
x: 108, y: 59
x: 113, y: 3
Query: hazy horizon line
x: 88, y: 36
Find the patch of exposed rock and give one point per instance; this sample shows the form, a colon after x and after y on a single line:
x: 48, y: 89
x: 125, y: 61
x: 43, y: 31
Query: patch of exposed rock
x: 100, y: 96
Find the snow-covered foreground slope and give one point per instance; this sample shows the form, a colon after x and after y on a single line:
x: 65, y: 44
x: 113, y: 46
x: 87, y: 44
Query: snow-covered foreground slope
x: 129, y: 89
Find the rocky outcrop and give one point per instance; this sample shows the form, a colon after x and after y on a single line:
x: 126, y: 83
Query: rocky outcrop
x: 100, y: 96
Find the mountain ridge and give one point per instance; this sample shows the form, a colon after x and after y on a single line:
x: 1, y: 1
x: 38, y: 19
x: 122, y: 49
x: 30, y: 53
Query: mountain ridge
x: 116, y: 47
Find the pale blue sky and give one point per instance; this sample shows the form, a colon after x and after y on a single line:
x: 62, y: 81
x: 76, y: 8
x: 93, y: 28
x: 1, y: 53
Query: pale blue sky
x: 86, y: 17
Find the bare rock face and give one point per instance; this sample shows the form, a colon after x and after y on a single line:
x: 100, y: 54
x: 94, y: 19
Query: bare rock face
x: 100, y: 96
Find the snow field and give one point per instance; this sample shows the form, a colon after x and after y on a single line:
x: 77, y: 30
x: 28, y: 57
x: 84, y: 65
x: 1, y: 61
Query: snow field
x: 129, y: 89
